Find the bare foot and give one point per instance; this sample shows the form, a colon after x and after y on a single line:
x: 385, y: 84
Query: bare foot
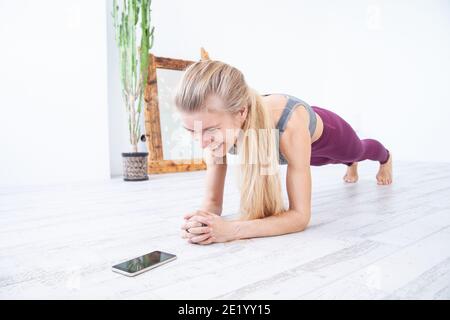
x: 384, y: 175
x: 352, y: 173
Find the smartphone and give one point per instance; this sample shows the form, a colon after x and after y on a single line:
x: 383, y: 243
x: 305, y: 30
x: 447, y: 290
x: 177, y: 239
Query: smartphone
x: 143, y: 263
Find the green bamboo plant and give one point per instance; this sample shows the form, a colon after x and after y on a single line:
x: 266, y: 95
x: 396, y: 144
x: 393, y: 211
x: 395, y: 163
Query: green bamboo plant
x: 133, y: 59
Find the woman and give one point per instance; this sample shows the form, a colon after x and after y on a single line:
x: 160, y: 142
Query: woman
x: 228, y: 116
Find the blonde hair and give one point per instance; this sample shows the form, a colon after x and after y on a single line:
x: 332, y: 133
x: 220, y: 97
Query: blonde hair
x: 260, y: 185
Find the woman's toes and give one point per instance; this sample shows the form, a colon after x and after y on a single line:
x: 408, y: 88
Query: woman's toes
x: 350, y: 179
x: 351, y: 175
x: 383, y: 181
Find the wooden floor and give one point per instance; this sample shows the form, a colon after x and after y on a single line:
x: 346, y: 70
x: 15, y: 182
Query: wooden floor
x: 364, y: 241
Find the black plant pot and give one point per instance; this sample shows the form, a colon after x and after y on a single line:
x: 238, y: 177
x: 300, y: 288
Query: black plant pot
x: 135, y: 166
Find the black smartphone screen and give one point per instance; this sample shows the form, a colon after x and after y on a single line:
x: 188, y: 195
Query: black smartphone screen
x: 142, y: 262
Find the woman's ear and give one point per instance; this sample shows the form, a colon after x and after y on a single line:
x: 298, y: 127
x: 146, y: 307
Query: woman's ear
x: 243, y: 113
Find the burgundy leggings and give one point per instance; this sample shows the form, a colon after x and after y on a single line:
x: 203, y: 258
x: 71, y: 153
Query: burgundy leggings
x: 339, y: 143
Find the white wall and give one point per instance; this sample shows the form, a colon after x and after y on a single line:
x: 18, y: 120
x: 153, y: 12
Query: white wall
x: 53, y: 116
x: 382, y: 65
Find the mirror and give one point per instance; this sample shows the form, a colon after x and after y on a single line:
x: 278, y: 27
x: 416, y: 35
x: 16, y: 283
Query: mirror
x: 170, y: 147
x: 177, y: 143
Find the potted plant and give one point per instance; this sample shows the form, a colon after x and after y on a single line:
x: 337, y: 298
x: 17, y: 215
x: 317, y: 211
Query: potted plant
x: 132, y: 19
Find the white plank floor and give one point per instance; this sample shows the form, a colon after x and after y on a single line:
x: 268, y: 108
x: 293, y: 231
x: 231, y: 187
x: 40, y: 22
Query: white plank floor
x: 364, y: 241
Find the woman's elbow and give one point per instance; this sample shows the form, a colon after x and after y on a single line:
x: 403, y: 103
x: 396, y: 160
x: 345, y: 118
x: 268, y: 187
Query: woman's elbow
x: 302, y: 221
x: 301, y: 226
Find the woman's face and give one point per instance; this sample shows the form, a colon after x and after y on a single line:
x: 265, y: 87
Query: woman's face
x: 216, y: 130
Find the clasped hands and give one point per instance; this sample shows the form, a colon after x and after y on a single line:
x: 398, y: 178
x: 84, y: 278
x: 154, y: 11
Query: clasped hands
x: 203, y: 227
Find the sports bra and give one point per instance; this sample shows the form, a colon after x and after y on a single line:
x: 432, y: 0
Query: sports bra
x: 291, y: 104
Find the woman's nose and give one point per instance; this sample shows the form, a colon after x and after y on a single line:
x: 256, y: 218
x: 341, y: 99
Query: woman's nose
x: 206, y: 140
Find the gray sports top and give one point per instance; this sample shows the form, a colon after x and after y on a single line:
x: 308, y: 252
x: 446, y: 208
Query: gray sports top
x: 292, y: 102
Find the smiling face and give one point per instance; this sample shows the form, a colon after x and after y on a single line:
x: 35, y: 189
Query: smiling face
x: 217, y: 130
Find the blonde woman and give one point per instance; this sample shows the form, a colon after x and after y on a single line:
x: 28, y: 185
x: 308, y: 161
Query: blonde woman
x: 228, y: 116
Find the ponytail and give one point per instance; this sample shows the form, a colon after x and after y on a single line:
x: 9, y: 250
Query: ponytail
x: 260, y: 184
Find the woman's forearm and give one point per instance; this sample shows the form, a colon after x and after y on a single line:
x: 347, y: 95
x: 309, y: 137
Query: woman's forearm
x: 286, y: 222
x: 211, y: 206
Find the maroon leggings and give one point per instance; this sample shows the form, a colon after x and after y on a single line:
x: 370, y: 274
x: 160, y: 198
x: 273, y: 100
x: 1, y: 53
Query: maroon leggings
x: 339, y: 143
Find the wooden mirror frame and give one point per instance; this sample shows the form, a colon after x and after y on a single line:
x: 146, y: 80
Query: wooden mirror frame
x: 156, y: 162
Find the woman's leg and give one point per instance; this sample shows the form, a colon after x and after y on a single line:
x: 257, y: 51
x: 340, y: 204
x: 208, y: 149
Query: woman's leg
x: 351, y: 175
x: 384, y: 175
x: 371, y: 149
x: 343, y: 145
